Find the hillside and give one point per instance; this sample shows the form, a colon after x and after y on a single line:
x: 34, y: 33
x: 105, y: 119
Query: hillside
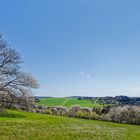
x: 67, y: 102
x: 28, y: 126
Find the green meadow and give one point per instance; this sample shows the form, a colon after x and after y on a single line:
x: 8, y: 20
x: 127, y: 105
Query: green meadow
x: 16, y: 125
x: 67, y: 102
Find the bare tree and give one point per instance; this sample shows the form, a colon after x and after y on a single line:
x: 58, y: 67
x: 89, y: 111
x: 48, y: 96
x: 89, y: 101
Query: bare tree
x: 15, y: 85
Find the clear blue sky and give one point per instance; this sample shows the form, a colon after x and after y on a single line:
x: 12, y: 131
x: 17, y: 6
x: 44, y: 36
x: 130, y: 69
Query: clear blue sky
x: 77, y: 47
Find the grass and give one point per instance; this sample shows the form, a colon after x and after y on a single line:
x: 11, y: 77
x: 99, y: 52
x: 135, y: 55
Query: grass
x: 67, y: 102
x: 28, y: 126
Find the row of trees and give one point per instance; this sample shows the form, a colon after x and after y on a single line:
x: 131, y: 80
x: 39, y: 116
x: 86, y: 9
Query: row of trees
x: 15, y: 85
x: 117, y: 100
x: 128, y: 114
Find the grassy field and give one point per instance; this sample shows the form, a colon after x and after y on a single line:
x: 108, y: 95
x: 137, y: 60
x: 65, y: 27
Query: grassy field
x: 28, y: 126
x: 67, y: 102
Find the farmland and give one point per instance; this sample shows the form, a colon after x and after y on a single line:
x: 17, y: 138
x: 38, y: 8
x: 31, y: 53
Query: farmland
x: 67, y: 102
x: 17, y: 125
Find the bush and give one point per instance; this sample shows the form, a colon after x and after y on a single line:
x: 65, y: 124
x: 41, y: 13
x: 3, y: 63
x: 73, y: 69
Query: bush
x: 57, y: 110
x: 97, y: 110
x: 94, y: 116
x: 73, y: 110
x: 121, y: 114
x: 48, y: 111
x: 87, y: 112
x: 79, y: 112
x: 124, y: 114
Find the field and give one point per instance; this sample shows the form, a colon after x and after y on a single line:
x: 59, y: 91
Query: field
x: 28, y: 126
x: 67, y: 102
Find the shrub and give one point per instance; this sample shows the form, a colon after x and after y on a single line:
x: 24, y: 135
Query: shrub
x: 94, y: 116
x: 57, y: 110
x: 48, y: 111
x: 87, y: 112
x: 73, y: 110
x: 79, y: 114
x: 124, y: 114
x: 97, y: 110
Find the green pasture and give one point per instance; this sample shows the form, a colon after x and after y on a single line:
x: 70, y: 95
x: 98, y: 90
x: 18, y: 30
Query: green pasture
x: 16, y: 125
x: 67, y: 102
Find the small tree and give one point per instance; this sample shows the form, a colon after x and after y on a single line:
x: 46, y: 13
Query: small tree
x: 15, y: 85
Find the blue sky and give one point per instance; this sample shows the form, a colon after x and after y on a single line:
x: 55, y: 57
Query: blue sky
x: 76, y: 47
